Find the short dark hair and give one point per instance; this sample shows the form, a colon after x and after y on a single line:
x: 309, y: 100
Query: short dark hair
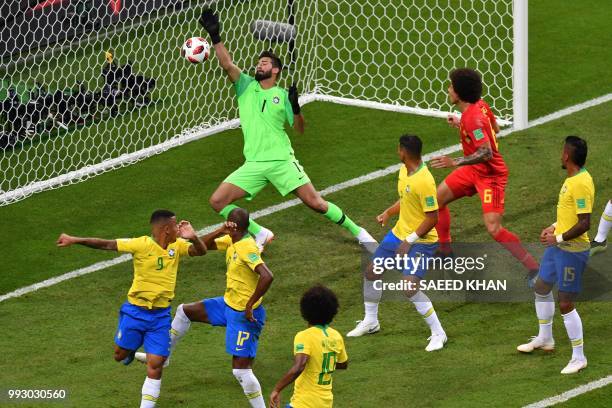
x: 241, y: 217
x: 319, y: 305
x: 578, y: 149
x: 467, y: 83
x: 411, y: 144
x: 161, y: 215
x: 276, y: 62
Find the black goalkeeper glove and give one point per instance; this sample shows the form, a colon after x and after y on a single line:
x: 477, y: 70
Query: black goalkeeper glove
x: 293, y: 99
x: 210, y: 21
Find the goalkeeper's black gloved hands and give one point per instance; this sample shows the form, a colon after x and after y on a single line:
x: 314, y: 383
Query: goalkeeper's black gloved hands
x: 293, y: 99
x: 210, y: 21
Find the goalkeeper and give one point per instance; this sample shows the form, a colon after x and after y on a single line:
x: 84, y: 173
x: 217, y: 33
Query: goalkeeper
x: 263, y: 108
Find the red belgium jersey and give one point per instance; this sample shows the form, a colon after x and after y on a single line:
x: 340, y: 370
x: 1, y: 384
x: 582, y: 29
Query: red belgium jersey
x: 476, y: 129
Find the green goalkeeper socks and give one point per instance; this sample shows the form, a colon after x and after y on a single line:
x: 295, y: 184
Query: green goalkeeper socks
x: 335, y: 214
x: 254, y: 227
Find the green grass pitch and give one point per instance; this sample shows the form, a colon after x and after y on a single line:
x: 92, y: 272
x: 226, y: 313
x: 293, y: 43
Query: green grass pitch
x: 61, y: 337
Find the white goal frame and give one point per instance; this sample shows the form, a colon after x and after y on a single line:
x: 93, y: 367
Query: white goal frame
x: 519, y: 117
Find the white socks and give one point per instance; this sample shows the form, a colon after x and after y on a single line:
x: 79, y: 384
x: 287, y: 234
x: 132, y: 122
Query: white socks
x: 371, y: 312
x: 371, y: 298
x: 573, y: 325
x: 605, y: 223
x: 150, y: 392
x: 425, y: 308
x: 250, y: 386
x: 180, y: 325
x: 545, y: 310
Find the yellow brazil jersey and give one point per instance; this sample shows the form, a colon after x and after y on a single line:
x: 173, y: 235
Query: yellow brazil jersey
x: 242, y: 258
x: 417, y: 194
x: 154, y: 270
x: 325, y: 348
x: 576, y: 197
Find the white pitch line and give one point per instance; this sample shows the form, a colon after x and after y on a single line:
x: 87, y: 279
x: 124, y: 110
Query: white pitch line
x: 572, y: 109
x: 292, y: 203
x: 593, y: 385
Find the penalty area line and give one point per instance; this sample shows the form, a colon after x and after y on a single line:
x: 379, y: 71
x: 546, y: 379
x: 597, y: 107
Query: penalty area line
x: 292, y: 203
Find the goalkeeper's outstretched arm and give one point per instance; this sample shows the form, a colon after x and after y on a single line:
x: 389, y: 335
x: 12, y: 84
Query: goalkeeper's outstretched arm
x: 210, y: 21
x: 225, y: 60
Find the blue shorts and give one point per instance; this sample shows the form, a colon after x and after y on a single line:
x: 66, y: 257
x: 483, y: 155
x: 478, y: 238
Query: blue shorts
x: 241, y: 335
x: 139, y: 325
x: 564, y: 268
x: 423, y: 252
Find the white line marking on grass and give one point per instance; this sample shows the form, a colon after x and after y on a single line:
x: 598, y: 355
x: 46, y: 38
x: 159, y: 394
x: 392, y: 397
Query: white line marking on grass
x: 593, y: 385
x: 292, y: 203
x: 570, y: 110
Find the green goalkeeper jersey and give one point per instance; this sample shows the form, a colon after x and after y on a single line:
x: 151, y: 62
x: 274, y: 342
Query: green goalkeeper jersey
x: 263, y: 113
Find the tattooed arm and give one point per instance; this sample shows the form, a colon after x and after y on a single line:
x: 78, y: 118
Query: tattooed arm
x: 483, y: 154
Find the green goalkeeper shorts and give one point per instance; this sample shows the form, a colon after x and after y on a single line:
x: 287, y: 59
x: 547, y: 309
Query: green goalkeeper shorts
x: 252, y: 176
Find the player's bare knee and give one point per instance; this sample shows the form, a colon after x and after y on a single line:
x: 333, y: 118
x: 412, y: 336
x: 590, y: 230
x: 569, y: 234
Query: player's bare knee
x: 154, y: 372
x: 190, y: 310
x: 444, y: 195
x: 493, y: 228
x: 371, y: 275
x: 566, y: 306
x: 542, y: 288
x: 216, y: 201
x: 241, y: 362
x: 119, y: 354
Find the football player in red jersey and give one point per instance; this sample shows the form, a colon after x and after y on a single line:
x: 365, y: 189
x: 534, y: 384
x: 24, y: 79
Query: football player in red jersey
x: 481, y: 170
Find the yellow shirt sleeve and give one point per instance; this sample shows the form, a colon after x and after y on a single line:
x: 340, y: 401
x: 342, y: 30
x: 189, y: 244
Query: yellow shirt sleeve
x: 183, y: 246
x: 583, y: 198
x: 428, y: 196
x: 249, y: 253
x: 223, y: 242
x: 301, y: 344
x: 342, y: 357
x: 131, y: 245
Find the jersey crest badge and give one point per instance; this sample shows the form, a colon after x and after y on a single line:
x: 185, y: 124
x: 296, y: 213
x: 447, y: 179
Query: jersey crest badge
x: 171, y: 253
x: 276, y: 100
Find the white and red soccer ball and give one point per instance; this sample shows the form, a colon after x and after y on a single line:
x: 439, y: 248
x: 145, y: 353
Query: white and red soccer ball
x: 196, y: 50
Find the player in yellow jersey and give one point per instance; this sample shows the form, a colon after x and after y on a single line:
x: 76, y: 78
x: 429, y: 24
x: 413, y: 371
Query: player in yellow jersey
x: 240, y: 310
x: 319, y: 351
x: 414, y: 234
x: 145, y: 318
x: 566, y: 256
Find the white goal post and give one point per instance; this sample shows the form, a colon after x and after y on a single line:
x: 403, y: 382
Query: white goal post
x: 93, y: 85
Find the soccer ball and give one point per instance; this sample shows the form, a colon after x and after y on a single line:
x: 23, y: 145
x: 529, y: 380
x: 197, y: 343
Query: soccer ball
x: 196, y: 50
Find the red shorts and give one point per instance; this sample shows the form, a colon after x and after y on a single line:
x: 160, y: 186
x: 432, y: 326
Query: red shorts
x: 465, y: 181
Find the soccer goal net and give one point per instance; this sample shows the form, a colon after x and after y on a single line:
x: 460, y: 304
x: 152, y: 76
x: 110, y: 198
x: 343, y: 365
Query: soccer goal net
x: 93, y: 85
